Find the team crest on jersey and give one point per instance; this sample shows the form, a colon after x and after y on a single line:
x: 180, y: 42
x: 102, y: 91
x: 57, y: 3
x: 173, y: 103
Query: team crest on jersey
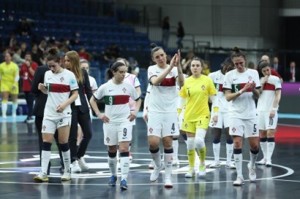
x: 62, y: 79
x: 233, y: 130
x: 124, y: 90
x: 44, y: 127
x: 150, y: 130
x: 107, y: 139
x: 203, y: 87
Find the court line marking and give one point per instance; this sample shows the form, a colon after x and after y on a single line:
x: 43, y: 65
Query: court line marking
x: 193, y: 181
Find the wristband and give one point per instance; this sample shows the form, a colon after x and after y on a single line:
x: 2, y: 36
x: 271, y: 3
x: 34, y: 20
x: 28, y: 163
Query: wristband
x: 240, y: 92
x: 215, y: 109
x: 274, y: 109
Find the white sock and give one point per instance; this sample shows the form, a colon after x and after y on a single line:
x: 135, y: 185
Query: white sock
x: 14, y: 108
x: 124, y: 164
x: 229, y: 152
x: 156, y: 158
x: 253, y: 158
x: 216, y: 150
x: 270, y: 148
x: 168, y: 164
x: 263, y: 146
x: 67, y: 159
x: 45, y: 160
x: 4, y: 108
x: 112, y: 164
x: 238, y: 158
x: 175, y: 149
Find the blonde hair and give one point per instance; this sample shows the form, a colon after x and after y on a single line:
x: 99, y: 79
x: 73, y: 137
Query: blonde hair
x: 75, y: 65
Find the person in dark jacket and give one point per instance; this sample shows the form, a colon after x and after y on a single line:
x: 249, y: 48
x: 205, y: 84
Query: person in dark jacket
x: 80, y: 113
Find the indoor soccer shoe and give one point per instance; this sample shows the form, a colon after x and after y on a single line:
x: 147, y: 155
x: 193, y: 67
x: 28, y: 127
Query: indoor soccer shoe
x: 112, y: 181
x: 41, y: 177
x: 239, y: 181
x: 123, y: 185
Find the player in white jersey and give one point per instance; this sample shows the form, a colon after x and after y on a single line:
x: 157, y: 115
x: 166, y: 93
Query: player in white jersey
x: 61, y: 86
x: 162, y: 113
x: 267, y: 108
x: 220, y: 117
x: 241, y: 87
x: 134, y: 81
x: 117, y: 120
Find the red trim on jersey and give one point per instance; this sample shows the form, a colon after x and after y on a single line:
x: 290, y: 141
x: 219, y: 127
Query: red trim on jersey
x: 59, y: 88
x: 269, y: 87
x: 168, y: 82
x: 121, y: 99
x: 220, y: 88
x: 243, y: 85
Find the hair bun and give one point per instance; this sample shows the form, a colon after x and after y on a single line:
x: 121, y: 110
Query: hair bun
x: 153, y: 45
x: 236, y: 49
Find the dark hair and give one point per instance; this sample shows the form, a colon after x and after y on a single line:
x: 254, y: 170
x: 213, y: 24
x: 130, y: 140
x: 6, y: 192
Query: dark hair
x: 262, y: 64
x: 53, y: 55
x: 112, y: 68
x: 236, y: 52
x: 155, y: 48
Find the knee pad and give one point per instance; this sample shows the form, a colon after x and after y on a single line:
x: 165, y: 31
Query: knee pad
x: 199, y: 142
x: 190, y: 143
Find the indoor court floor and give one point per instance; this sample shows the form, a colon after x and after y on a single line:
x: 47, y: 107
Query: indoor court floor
x: 19, y: 162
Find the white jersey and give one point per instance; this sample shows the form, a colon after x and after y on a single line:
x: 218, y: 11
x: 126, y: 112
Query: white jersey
x: 134, y: 81
x: 59, y: 87
x: 164, y: 96
x: 218, y: 79
x: 93, y: 83
x: 116, y: 99
x: 265, y: 101
x: 243, y: 107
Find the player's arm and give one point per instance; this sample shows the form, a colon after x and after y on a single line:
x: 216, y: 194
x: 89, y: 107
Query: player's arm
x: 232, y: 96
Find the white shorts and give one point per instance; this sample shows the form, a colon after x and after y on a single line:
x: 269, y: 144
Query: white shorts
x: 162, y: 124
x: 265, y: 122
x: 117, y: 132
x: 243, y: 127
x: 50, y: 125
x: 223, y: 121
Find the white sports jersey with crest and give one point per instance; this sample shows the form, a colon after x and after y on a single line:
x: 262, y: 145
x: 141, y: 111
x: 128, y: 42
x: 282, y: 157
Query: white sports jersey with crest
x: 164, y: 96
x: 134, y: 81
x: 93, y: 83
x: 218, y: 79
x: 59, y: 87
x: 265, y: 101
x: 243, y: 107
x: 116, y: 98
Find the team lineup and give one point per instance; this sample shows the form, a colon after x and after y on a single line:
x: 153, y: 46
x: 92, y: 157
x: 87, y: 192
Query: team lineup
x: 244, y: 104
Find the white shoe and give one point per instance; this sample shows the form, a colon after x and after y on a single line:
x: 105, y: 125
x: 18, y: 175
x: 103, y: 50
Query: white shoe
x: 262, y: 162
x: 151, y: 165
x: 202, y: 171
x: 154, y: 175
x: 14, y: 115
x: 4, y: 116
x: 252, y: 173
x: 168, y: 183
x: 66, y: 176
x: 82, y: 164
x: 269, y: 163
x: 176, y: 163
x: 239, y: 181
x: 215, y: 164
x: 190, y: 173
x: 230, y: 165
x: 75, y: 167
